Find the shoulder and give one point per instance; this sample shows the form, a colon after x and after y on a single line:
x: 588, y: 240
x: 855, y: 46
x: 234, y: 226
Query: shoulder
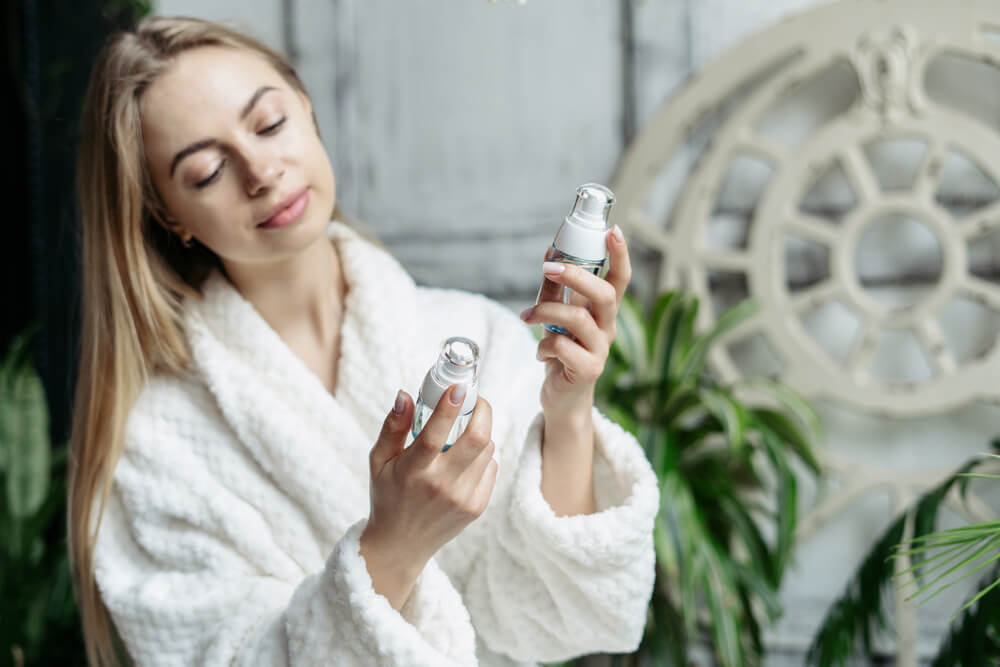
x: 174, y: 420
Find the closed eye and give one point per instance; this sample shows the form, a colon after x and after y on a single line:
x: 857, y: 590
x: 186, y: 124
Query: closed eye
x: 211, y: 179
x: 270, y: 129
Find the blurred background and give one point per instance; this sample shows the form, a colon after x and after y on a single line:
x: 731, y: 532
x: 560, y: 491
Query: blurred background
x: 835, y: 163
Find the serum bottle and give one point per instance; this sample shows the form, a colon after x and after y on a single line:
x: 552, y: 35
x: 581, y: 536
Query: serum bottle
x: 579, y: 241
x: 458, y: 363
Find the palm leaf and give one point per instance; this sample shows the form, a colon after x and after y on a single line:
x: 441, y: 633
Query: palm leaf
x: 860, y: 611
x: 630, y: 342
x: 716, y: 573
x: 730, y: 414
x: 975, y: 638
x: 24, y: 434
x: 788, y: 401
x: 663, y: 336
x: 693, y: 363
x: 790, y: 433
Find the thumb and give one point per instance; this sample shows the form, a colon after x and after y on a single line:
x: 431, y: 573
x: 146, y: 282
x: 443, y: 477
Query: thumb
x: 393, y: 435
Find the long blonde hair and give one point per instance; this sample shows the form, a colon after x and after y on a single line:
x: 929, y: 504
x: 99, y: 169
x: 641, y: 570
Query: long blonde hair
x: 136, y: 275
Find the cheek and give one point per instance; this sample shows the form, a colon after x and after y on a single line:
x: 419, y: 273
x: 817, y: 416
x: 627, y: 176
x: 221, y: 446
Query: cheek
x: 316, y: 160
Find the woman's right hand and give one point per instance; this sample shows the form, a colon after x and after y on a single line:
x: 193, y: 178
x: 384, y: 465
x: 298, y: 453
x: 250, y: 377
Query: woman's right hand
x: 422, y: 497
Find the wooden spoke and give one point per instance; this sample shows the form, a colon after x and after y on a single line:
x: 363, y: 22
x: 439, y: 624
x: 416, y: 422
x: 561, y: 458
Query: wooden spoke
x: 928, y: 175
x: 859, y: 173
x: 939, y: 353
x: 980, y: 223
x: 725, y: 260
x: 859, y: 359
x: 812, y: 228
x: 813, y: 297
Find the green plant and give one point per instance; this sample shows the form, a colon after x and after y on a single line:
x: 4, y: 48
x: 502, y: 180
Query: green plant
x: 726, y: 460
x: 38, y: 619
x: 859, y: 613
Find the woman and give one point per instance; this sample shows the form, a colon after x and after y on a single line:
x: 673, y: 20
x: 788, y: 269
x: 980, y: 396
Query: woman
x: 241, y: 492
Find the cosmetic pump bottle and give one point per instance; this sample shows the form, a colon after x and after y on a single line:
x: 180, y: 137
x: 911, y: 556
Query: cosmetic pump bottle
x: 579, y: 241
x: 458, y: 363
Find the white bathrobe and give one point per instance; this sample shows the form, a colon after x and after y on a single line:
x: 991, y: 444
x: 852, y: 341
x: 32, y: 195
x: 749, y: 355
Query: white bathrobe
x: 231, y: 534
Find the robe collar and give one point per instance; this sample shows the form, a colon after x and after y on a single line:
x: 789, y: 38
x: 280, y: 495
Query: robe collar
x: 312, y: 443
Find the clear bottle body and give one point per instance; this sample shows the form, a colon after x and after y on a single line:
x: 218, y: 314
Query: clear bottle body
x: 423, y: 413
x: 551, y: 291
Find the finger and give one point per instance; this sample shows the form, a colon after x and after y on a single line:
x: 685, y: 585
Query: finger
x: 550, y: 291
x: 392, y: 438
x: 434, y: 435
x: 601, y: 294
x: 620, y: 272
x: 474, y: 471
x: 474, y: 439
x: 578, y: 320
x: 577, y: 361
x: 487, y: 481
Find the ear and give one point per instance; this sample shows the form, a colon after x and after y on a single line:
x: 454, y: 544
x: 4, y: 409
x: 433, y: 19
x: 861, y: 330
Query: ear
x: 171, y: 225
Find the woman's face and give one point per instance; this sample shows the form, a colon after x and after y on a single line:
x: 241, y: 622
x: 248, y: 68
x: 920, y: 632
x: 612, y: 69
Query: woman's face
x: 235, y: 155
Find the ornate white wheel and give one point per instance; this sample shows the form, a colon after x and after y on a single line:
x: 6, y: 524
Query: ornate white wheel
x: 886, y: 49
x: 889, y: 47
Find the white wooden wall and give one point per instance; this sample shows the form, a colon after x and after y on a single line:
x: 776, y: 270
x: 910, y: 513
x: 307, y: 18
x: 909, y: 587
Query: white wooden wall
x: 459, y: 130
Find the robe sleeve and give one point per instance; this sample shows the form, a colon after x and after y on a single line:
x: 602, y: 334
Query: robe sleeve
x: 543, y: 587
x: 191, y: 575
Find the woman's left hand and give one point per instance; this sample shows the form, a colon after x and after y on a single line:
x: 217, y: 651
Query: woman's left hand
x: 574, y: 362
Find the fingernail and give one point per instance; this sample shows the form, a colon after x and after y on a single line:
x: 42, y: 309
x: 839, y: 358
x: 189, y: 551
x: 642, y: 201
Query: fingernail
x: 526, y: 313
x: 617, y: 231
x: 457, y: 395
x: 553, y: 268
x: 399, y: 404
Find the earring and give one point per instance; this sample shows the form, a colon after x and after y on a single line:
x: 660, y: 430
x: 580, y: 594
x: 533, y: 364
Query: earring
x: 186, y: 242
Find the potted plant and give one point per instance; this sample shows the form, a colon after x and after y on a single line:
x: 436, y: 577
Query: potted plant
x: 38, y: 618
x: 727, y: 459
x: 938, y: 560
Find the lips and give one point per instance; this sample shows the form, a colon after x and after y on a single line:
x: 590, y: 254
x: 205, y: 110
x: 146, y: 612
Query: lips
x: 287, y: 211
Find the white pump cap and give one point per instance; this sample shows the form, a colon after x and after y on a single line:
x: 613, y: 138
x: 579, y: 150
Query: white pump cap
x: 458, y: 363
x: 582, y: 232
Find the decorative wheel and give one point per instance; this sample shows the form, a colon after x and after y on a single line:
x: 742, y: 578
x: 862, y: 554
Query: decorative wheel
x: 879, y: 55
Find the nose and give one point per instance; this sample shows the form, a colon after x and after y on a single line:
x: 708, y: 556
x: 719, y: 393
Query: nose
x: 263, y: 170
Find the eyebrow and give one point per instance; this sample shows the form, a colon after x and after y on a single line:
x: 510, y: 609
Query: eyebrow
x: 206, y: 143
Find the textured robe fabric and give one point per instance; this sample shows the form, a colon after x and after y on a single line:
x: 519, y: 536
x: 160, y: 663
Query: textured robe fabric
x: 231, y: 533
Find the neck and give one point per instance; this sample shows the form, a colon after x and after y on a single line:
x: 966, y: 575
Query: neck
x: 300, y: 295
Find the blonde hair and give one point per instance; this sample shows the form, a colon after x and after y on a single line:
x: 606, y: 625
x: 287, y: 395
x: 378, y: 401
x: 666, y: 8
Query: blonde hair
x: 136, y: 275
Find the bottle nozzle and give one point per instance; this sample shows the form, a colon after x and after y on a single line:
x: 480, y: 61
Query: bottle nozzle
x: 592, y: 206
x: 458, y: 361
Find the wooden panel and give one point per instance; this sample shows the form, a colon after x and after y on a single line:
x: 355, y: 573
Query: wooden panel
x: 461, y: 124
x: 662, y: 52
x: 263, y: 20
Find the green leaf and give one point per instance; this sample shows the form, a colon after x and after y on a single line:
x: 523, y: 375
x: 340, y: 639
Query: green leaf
x: 975, y: 638
x: 731, y: 414
x: 666, y: 647
x: 667, y: 320
x: 788, y: 401
x: 980, y: 549
x: 787, y: 511
x: 18, y: 356
x: 682, y: 401
x: 860, y: 611
x: 752, y: 540
x: 789, y: 433
x: 29, y: 447
x: 631, y: 341
x: 720, y: 590
x: 693, y: 363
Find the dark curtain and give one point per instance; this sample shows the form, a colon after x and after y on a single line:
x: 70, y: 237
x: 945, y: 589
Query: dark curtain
x: 50, y: 48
